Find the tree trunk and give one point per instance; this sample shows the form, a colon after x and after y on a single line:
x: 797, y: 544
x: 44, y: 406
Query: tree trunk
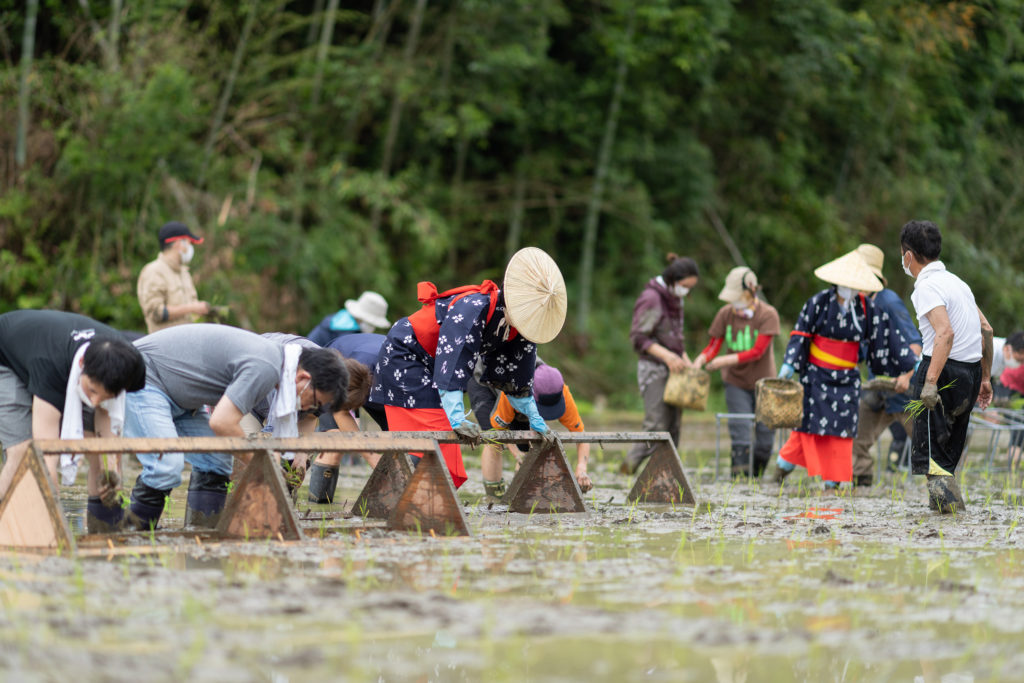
x: 113, y: 59
x: 397, y: 105
x: 377, y: 36
x: 597, y: 191
x: 318, y: 7
x: 28, y: 47
x: 229, y: 86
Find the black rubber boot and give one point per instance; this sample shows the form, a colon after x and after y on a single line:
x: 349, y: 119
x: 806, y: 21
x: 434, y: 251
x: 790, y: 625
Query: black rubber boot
x: 147, y: 506
x: 761, y: 460
x: 323, y: 480
x: 944, y: 494
x: 740, y: 461
x: 100, y: 519
x: 863, y: 480
x: 207, y: 493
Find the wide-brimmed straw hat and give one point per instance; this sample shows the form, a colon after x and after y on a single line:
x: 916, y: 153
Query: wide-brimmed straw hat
x: 535, y: 299
x: 875, y: 258
x: 849, y: 270
x: 739, y: 280
x: 370, y: 307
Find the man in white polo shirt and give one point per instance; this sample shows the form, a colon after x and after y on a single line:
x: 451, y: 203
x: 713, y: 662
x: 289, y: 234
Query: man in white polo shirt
x: 955, y: 368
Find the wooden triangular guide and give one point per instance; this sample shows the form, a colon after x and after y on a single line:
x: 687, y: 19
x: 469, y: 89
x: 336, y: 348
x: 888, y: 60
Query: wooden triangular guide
x: 384, y: 487
x: 258, y: 505
x: 663, y: 479
x: 429, y: 501
x: 30, y: 514
x: 545, y: 483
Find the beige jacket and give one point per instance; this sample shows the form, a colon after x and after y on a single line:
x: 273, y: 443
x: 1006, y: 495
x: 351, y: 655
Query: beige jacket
x: 163, y: 283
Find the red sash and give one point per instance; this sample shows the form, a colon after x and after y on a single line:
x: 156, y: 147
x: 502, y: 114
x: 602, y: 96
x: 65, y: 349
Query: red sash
x: 424, y: 321
x: 833, y: 354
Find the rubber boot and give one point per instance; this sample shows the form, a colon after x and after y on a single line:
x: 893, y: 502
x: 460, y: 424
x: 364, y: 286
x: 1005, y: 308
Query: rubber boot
x: 100, y: 519
x: 944, y: 494
x: 323, y: 480
x: 761, y: 460
x: 146, y: 508
x: 207, y: 493
x: 740, y: 461
x: 494, y: 491
x: 781, y: 473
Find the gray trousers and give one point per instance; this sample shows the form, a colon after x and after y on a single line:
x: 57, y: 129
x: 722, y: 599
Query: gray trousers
x: 658, y: 415
x: 739, y: 400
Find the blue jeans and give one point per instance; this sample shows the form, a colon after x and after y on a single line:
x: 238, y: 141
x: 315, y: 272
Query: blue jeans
x: 151, y: 413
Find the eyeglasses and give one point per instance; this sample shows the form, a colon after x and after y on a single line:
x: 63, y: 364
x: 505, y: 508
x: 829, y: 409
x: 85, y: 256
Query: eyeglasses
x: 317, y: 406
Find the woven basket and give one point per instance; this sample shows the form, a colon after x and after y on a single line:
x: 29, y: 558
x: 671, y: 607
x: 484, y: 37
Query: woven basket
x: 688, y: 389
x: 780, y: 402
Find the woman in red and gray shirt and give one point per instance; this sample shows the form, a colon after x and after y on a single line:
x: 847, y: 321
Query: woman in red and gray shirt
x: 657, y: 336
x: 743, y: 331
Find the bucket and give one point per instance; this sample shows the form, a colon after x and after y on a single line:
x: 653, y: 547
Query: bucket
x: 780, y: 402
x: 688, y: 389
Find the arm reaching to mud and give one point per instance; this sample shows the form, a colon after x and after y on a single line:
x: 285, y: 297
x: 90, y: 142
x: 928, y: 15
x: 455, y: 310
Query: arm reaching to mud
x: 582, y: 457
x: 985, y: 394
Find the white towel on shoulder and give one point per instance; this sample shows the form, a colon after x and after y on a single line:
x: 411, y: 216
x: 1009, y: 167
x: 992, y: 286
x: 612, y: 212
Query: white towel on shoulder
x: 284, y: 418
x: 71, y: 419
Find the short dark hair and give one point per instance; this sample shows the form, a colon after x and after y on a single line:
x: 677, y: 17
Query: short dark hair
x: 327, y: 373
x: 1016, y: 341
x: 923, y: 239
x: 679, y: 268
x: 114, y: 363
x: 359, y: 380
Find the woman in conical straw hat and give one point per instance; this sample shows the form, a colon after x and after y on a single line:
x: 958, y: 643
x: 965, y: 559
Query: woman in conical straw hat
x: 824, y: 348
x: 428, y: 357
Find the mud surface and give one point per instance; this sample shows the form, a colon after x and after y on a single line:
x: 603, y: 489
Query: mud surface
x: 756, y: 583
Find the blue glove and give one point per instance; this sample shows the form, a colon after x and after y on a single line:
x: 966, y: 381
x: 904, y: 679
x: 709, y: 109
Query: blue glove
x: 451, y: 401
x: 786, y: 371
x: 528, y: 407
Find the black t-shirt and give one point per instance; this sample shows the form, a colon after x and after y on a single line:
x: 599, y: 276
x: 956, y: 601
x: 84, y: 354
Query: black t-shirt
x: 39, y: 347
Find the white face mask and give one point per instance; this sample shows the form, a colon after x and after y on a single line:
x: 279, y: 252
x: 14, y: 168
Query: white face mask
x: 1011, y: 362
x: 84, y: 397
x: 190, y: 251
x: 906, y: 267
x: 680, y: 290
x: 845, y: 293
x: 366, y: 327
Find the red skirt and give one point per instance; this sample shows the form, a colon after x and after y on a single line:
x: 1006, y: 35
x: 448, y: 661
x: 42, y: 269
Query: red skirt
x: 830, y: 457
x: 428, y: 420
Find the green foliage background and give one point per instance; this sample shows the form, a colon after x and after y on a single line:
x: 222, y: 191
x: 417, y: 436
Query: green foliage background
x: 428, y: 139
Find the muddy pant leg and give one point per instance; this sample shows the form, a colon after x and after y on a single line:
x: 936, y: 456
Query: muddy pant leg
x: 149, y: 413
x: 940, y: 433
x: 211, y: 474
x: 870, y: 424
x: 658, y: 417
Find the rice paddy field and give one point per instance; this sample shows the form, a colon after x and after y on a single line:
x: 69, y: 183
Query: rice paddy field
x: 756, y: 582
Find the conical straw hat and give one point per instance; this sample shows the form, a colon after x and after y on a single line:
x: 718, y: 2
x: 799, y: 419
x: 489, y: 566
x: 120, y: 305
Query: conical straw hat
x: 875, y: 258
x: 535, y: 299
x: 849, y: 270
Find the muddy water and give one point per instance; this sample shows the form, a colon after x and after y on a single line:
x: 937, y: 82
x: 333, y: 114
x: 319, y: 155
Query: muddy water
x: 757, y: 583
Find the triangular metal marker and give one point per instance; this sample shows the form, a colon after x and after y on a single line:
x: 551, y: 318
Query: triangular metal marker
x: 384, y: 487
x: 663, y: 479
x: 30, y: 514
x: 258, y: 505
x: 545, y: 483
x: 428, y: 502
